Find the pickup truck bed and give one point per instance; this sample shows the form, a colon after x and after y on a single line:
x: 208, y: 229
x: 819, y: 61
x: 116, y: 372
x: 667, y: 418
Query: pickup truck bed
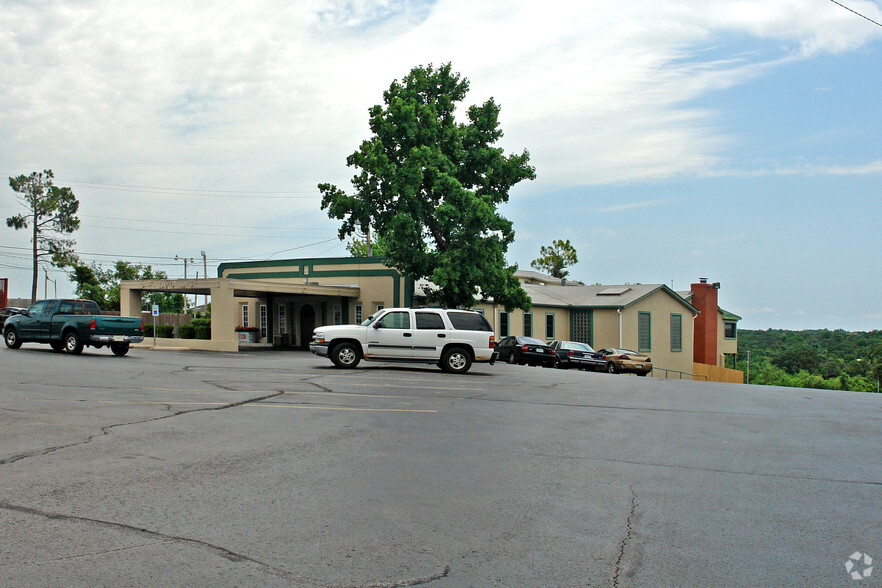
x: 70, y: 325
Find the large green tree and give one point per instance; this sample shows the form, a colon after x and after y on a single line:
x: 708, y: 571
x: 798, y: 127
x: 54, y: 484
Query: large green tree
x: 50, y: 214
x: 431, y: 187
x: 556, y: 258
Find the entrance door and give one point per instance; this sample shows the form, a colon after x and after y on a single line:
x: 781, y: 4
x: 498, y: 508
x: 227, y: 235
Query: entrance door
x: 307, y: 325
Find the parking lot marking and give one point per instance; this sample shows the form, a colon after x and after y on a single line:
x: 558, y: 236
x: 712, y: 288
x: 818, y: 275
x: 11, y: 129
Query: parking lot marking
x: 248, y: 404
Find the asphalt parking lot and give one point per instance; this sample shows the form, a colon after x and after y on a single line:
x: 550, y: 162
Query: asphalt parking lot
x: 275, y: 469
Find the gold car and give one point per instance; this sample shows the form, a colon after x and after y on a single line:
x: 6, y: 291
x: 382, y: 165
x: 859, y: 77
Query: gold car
x: 626, y: 361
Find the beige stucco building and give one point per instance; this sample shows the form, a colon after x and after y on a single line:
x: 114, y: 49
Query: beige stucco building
x: 281, y: 302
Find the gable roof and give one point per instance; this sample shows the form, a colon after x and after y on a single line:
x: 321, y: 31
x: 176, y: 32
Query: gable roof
x: 604, y: 296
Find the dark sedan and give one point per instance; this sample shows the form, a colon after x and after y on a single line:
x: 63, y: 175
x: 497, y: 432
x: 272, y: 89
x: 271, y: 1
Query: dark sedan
x: 526, y: 350
x: 577, y: 355
x: 7, y: 312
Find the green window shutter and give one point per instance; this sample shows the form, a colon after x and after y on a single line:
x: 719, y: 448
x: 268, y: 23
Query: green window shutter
x: 644, y: 332
x: 676, y: 332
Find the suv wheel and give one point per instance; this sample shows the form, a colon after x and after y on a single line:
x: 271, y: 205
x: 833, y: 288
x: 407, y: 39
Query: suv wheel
x: 345, y: 355
x: 456, y: 361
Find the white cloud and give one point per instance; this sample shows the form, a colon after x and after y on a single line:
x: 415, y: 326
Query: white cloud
x: 270, y: 96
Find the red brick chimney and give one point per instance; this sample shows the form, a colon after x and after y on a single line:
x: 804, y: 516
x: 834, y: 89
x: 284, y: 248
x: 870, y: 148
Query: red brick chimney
x: 704, y: 298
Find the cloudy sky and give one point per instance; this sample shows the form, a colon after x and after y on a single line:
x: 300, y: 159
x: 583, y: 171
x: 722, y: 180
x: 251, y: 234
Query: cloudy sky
x: 738, y: 140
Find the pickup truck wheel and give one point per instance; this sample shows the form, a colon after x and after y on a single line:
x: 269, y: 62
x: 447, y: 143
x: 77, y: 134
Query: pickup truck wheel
x: 345, y: 355
x: 56, y: 345
x: 119, y: 349
x: 72, y: 343
x: 11, y: 338
x: 456, y: 361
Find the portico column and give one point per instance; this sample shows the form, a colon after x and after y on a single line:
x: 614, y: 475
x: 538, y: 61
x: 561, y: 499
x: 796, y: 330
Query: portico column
x: 129, y: 301
x: 223, y: 317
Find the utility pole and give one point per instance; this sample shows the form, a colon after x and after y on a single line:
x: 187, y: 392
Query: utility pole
x: 748, y: 366
x: 205, y: 274
x: 186, y: 260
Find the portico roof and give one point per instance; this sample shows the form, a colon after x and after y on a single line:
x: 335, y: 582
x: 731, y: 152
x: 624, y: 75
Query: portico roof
x: 241, y: 288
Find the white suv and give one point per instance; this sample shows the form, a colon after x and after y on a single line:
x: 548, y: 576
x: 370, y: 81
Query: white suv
x: 452, y: 339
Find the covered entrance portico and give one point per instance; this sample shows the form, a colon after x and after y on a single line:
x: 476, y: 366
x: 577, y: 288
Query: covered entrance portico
x: 278, y: 304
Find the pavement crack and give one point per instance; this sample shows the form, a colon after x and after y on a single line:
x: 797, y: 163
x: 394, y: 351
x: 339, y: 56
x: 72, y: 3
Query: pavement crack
x: 228, y: 554
x: 165, y: 537
x: 626, y: 539
x: 105, y: 430
x: 399, y: 583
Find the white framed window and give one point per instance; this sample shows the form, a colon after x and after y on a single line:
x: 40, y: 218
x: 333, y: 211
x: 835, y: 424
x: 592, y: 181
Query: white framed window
x: 338, y: 314
x: 358, y: 318
x: 528, y: 324
x: 380, y: 307
x: 283, y: 319
x: 263, y: 321
x: 245, y: 315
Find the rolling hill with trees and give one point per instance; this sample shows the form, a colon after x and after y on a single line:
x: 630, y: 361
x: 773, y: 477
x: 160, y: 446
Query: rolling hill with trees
x: 832, y: 360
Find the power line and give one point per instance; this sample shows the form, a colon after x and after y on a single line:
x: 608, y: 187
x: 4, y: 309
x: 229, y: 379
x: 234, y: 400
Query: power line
x: 178, y: 223
x: 200, y: 233
x: 856, y: 12
x: 272, y: 194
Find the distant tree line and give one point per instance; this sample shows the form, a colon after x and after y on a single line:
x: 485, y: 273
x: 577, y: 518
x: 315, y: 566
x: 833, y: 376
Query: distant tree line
x: 831, y: 360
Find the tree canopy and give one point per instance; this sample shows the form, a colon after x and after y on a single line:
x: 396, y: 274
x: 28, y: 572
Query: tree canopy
x: 555, y: 258
x: 51, y: 214
x: 431, y: 187
x: 359, y: 246
x: 839, y: 360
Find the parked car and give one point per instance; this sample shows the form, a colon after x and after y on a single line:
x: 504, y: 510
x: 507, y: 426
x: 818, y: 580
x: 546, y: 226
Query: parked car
x: 7, y: 312
x: 626, y: 361
x: 578, y: 355
x: 70, y: 325
x: 526, y: 350
x: 451, y: 339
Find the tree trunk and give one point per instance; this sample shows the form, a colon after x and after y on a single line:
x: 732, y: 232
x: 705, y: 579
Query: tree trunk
x: 36, y: 258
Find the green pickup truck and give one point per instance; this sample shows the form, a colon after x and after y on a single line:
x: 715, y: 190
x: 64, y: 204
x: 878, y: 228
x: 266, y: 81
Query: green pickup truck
x: 69, y: 325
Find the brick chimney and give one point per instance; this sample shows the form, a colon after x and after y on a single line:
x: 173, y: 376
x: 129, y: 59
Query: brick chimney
x: 704, y: 298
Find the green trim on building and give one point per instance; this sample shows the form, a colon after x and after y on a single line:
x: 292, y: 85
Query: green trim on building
x: 307, y: 261
x: 309, y: 265
x: 728, y: 316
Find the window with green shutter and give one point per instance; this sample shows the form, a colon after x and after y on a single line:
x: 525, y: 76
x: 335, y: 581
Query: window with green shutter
x: 676, y: 332
x: 549, y: 325
x: 644, y: 332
